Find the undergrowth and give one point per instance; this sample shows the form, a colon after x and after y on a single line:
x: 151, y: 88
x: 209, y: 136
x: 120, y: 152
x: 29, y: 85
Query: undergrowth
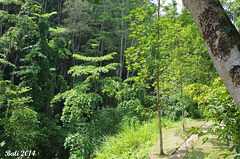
x: 133, y: 141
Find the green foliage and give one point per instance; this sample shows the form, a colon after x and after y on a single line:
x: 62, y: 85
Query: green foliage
x: 25, y: 37
x: 2, y: 144
x: 20, y: 122
x: 94, y: 59
x: 122, y: 91
x: 51, y: 138
x: 39, y: 71
x: 219, y: 107
x: 107, y: 120
x: 133, y: 141
x: 35, y: 56
x: 5, y: 62
x: 232, y: 9
x: 77, y: 104
x: 84, y: 148
x: 22, y: 127
x: 59, y: 47
x: 89, y: 135
x: 19, y: 27
x: 94, y: 70
x: 90, y: 69
x: 174, y: 107
x: 135, y: 109
x: 77, y: 22
x: 85, y: 70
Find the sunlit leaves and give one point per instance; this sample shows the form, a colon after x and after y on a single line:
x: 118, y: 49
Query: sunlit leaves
x: 218, y: 105
x: 86, y: 70
x: 59, y: 46
x: 150, y: 48
x: 82, y: 70
x: 5, y: 62
x: 57, y: 31
x: 79, y: 70
x: 20, y: 27
x: 2, y: 144
x: 16, y: 2
x: 95, y: 59
x: 110, y: 86
x: 77, y: 103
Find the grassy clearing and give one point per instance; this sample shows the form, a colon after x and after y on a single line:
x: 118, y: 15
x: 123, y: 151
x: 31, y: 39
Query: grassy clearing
x: 134, y: 141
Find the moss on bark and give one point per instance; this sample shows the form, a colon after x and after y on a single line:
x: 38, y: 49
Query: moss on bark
x: 235, y: 75
x: 218, y: 31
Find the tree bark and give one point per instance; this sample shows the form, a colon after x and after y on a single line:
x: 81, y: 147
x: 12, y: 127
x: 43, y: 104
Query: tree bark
x: 181, y: 88
x: 221, y: 39
x: 60, y: 4
x: 1, y: 22
x: 13, y: 70
x: 159, y: 113
x: 158, y: 93
x: 45, y: 6
x: 122, y: 36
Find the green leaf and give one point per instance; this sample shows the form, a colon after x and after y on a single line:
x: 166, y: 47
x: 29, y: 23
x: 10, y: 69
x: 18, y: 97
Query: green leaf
x: 224, y: 155
x: 6, y: 2
x: 47, y: 15
x: 97, y: 1
x: 2, y: 144
x: 192, y: 129
x: 238, y: 148
x: 82, y: 70
x: 94, y: 59
x: 237, y: 157
x: 232, y: 148
x: 205, y: 139
x: 58, y: 30
x: 7, y: 63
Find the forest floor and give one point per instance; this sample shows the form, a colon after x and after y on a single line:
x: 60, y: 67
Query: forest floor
x: 192, y: 148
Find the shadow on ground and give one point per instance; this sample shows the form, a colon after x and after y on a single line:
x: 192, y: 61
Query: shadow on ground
x: 197, y: 154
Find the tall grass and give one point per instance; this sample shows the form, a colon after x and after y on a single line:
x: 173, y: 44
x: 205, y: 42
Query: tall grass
x: 133, y: 141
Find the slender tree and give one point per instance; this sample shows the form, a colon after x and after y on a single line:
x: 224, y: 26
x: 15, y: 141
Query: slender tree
x: 148, y: 56
x: 157, y: 80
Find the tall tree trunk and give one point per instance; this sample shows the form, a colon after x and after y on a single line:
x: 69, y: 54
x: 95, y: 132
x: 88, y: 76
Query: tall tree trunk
x: 121, y: 49
x: 221, y: 39
x: 45, y: 6
x: 128, y: 72
x: 101, y: 40
x: 181, y: 88
x: 60, y: 3
x: 159, y: 113
x: 13, y: 70
x: 157, y: 80
x: 1, y: 22
x: 73, y: 60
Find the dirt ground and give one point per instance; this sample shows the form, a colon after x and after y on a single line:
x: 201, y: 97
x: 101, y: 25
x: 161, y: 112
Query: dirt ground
x: 174, y: 137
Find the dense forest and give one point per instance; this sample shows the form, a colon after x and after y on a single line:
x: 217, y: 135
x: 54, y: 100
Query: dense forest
x: 73, y: 72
